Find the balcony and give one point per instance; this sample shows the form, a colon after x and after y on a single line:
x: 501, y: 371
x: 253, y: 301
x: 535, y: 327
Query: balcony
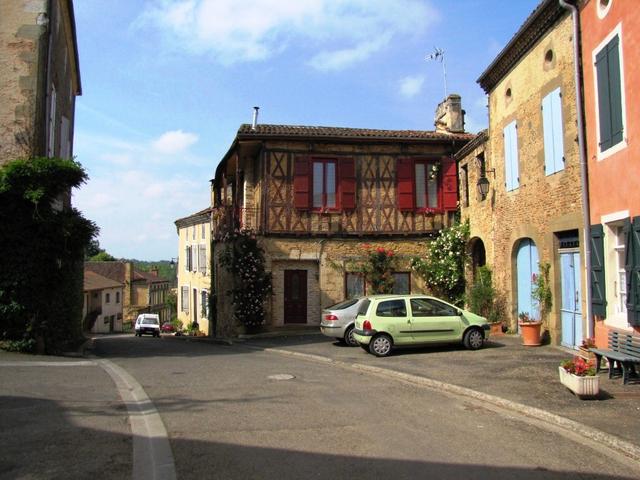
x: 229, y: 218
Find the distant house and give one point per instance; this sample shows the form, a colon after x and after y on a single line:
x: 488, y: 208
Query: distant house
x: 610, y: 39
x: 39, y: 79
x: 313, y: 196
x: 143, y: 292
x: 530, y: 208
x: 194, y: 269
x: 102, y: 308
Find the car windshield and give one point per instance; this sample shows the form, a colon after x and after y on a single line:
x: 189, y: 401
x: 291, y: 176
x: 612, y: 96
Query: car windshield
x: 150, y: 321
x: 342, y: 305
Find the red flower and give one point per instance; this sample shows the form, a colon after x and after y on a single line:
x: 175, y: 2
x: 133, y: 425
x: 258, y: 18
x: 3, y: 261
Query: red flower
x: 381, y: 250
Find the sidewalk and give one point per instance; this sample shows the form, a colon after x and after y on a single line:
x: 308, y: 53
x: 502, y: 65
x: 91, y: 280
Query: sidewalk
x: 504, y: 368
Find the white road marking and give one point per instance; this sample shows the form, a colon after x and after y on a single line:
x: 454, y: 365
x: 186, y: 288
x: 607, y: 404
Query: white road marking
x: 152, y: 455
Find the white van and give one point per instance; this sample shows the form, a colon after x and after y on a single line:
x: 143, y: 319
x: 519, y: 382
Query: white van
x: 148, y: 323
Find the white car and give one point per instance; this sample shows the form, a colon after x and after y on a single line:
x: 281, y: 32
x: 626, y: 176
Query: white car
x: 148, y: 323
x: 337, y: 320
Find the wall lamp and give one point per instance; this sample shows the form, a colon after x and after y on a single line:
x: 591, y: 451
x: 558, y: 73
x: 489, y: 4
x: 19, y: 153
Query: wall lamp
x: 483, y: 182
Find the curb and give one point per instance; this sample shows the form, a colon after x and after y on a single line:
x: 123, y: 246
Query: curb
x: 617, y: 445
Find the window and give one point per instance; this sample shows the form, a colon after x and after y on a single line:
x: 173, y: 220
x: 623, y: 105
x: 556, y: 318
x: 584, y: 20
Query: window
x: 401, y: 283
x: 204, y: 302
x: 204, y: 230
x: 392, y: 308
x: 553, y: 134
x: 465, y: 185
x: 202, y: 259
x: 620, y: 281
x: 426, y: 178
x: 426, y: 185
x: 53, y: 103
x: 354, y: 285
x: 107, y: 298
x: 609, y: 91
x: 512, y: 175
x: 117, y: 297
x: 187, y: 255
x: 428, y: 307
x: 194, y: 258
x: 324, y: 184
x: 184, y: 299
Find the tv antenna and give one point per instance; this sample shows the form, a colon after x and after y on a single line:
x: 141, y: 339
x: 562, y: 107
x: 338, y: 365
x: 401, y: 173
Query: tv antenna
x: 438, y: 56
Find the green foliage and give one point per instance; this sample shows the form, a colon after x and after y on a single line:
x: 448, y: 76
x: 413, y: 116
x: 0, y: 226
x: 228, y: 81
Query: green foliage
x: 443, y: 268
x: 165, y: 268
x: 102, y: 257
x: 243, y: 257
x: 482, y: 294
x: 541, y: 293
x: 41, y: 266
x: 26, y: 345
x: 172, y: 303
x: 377, y: 269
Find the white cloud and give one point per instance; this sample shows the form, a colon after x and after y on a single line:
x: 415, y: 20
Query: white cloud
x: 411, y: 86
x: 341, y: 32
x: 176, y: 141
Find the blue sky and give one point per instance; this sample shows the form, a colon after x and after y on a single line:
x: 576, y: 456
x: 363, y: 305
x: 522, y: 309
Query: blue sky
x: 167, y: 83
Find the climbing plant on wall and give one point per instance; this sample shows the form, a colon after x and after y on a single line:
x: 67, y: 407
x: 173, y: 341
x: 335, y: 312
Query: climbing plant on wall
x: 42, y: 243
x: 244, y: 259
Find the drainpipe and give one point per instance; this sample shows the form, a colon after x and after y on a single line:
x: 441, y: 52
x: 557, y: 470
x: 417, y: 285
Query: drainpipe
x: 582, y: 147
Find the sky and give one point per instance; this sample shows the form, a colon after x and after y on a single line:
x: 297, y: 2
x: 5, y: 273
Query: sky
x: 167, y: 83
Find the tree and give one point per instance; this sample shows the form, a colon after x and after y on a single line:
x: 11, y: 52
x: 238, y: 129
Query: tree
x: 102, y: 256
x: 43, y: 246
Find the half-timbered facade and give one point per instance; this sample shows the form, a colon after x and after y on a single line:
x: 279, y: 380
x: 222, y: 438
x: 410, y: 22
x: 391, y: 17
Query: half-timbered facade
x: 315, y: 195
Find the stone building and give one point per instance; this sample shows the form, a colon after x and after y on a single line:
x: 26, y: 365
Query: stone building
x: 143, y: 292
x: 194, y: 269
x: 39, y: 78
x: 102, y: 309
x: 610, y: 39
x: 527, y: 163
x: 313, y: 196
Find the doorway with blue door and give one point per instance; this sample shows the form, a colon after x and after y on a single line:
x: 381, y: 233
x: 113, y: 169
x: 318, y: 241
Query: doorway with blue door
x: 571, y: 288
x: 526, y: 271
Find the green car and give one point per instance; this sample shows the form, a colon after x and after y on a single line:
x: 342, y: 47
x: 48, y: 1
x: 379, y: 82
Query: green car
x: 388, y: 321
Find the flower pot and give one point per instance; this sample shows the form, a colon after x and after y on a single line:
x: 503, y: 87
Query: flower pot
x: 496, y: 329
x: 587, y: 386
x: 530, y: 332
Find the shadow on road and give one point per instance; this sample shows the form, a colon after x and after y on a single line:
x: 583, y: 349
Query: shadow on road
x: 40, y: 440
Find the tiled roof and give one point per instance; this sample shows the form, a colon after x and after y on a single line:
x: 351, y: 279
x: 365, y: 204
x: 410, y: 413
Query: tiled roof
x: 94, y: 281
x: 193, y: 218
x: 480, y: 139
x: 265, y: 130
x: 117, y: 271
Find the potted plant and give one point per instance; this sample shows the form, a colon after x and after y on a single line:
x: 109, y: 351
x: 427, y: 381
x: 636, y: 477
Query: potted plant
x: 529, y: 329
x: 580, y: 377
x: 584, y: 349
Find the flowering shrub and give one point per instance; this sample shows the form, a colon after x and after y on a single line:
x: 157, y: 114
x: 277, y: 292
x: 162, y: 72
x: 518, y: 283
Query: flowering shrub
x: 588, y: 343
x: 443, y: 267
x: 579, y: 366
x: 377, y: 268
x: 244, y: 259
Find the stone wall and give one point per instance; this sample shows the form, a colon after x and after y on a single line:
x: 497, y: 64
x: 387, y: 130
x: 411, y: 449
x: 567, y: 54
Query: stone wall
x: 542, y: 205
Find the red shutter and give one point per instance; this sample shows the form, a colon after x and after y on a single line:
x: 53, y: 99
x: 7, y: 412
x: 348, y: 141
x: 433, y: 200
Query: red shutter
x: 347, y: 183
x: 405, y: 184
x: 449, y: 184
x: 301, y: 183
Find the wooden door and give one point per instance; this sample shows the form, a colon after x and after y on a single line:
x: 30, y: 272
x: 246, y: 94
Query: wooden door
x: 570, y: 309
x: 526, y: 271
x: 295, y: 296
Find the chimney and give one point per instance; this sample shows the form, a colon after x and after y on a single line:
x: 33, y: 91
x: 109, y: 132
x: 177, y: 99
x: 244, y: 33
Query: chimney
x: 450, y: 115
x: 154, y: 271
x: 254, y: 123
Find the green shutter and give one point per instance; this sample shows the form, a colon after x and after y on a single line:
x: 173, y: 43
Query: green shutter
x: 615, y: 90
x: 598, y: 299
x: 604, y: 106
x: 633, y: 274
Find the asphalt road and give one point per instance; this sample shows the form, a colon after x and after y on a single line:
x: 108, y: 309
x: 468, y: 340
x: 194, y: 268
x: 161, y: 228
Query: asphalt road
x: 233, y: 412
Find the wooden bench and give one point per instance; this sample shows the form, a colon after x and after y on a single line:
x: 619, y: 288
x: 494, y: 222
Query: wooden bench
x: 624, y: 350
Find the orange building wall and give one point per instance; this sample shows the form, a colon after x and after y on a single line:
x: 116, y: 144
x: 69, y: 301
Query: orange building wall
x: 614, y: 182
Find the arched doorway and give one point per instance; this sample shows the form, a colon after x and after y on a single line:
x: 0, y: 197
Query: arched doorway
x: 526, y: 272
x: 478, y: 255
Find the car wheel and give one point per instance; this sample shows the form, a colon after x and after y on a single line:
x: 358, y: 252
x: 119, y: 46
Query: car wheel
x: 473, y: 339
x: 349, y: 339
x: 380, y: 345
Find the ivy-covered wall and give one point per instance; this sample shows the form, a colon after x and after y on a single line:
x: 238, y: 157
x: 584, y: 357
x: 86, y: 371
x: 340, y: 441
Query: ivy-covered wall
x: 42, y: 245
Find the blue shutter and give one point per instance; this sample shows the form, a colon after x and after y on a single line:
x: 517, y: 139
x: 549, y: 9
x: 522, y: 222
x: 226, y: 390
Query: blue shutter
x: 553, y: 135
x: 511, y: 156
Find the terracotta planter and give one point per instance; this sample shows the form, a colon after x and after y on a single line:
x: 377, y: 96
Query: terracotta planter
x: 496, y: 329
x: 530, y: 332
x: 582, y: 386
